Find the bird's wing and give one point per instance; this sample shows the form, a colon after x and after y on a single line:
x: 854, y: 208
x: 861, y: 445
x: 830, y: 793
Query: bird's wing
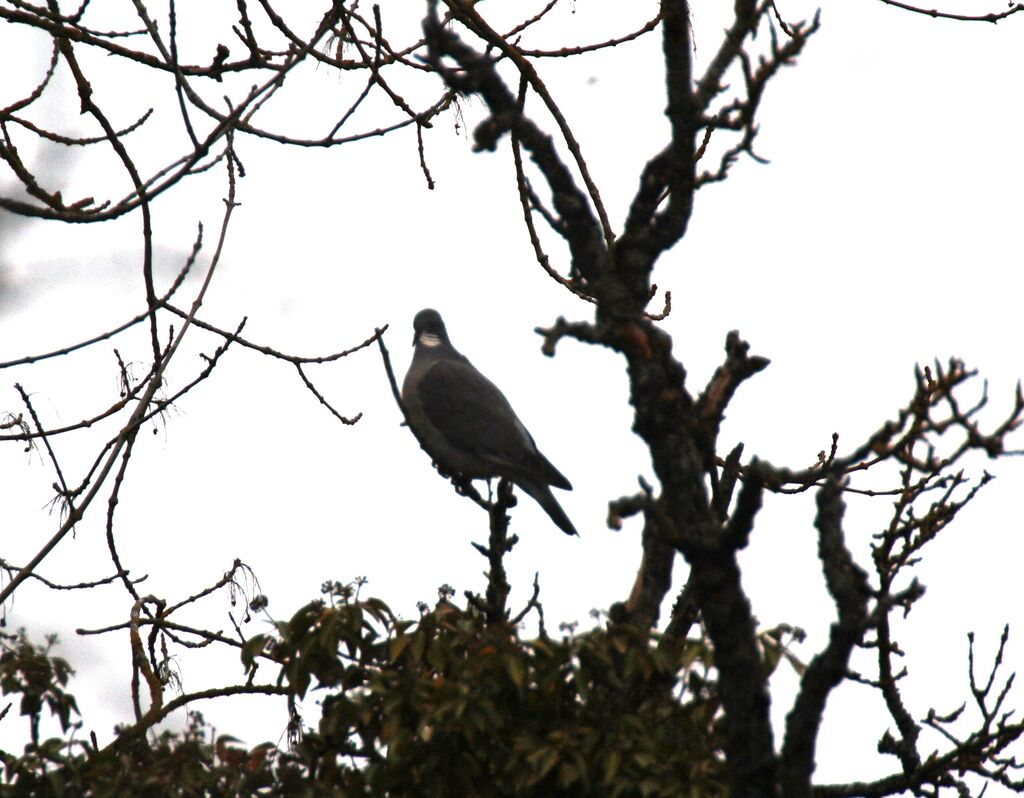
x: 471, y: 414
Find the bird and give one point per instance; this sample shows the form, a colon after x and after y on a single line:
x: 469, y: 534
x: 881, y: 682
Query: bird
x: 467, y: 426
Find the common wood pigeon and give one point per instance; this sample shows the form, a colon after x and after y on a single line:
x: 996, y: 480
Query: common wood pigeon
x: 467, y: 425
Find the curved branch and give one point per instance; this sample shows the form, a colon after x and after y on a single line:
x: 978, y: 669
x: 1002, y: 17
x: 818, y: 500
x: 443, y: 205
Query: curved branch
x: 583, y: 231
x: 848, y: 585
x: 468, y: 15
x: 993, y: 16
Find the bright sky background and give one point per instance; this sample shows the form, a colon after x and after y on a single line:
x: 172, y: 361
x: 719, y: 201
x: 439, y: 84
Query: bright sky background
x: 885, y: 232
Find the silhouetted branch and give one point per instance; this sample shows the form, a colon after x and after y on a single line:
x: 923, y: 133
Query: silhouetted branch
x: 738, y: 366
x: 848, y: 585
x: 585, y: 235
x: 154, y: 717
x: 993, y: 16
x: 11, y: 569
x: 563, y: 52
x: 115, y: 493
x: 654, y: 576
x: 649, y: 232
x: 500, y: 542
x: 531, y: 202
x: 683, y: 617
x: 533, y: 604
x: 467, y: 14
x: 739, y: 114
x: 324, y: 402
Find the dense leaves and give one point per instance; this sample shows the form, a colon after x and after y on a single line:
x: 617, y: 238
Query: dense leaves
x: 452, y: 706
x: 448, y: 705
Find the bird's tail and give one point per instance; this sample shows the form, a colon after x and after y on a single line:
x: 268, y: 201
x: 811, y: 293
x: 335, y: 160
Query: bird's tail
x: 542, y: 494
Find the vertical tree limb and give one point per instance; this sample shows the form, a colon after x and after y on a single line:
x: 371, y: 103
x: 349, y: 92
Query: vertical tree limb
x: 848, y: 585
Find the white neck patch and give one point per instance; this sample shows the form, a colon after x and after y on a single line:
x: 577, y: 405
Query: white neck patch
x: 430, y: 340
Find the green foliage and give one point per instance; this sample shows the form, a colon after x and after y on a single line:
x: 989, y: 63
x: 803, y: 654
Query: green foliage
x: 448, y: 705
x: 170, y: 764
x: 454, y: 706
x: 29, y: 670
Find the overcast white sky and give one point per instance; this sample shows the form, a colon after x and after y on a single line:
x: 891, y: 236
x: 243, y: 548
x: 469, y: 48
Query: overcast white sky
x: 885, y: 232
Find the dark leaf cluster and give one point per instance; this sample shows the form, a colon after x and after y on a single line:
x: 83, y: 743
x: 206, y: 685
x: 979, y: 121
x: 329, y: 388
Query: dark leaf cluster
x: 449, y: 705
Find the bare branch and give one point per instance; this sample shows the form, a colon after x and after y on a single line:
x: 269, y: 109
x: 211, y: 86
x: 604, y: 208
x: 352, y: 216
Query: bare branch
x: 848, y: 585
x: 993, y: 17
x: 585, y: 234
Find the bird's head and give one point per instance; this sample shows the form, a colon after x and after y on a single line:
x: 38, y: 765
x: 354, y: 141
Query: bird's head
x: 428, y: 328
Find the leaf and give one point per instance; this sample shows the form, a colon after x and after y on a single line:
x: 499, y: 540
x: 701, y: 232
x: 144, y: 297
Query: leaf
x: 397, y: 646
x: 516, y: 670
x: 612, y: 763
x: 379, y: 610
x: 547, y: 759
